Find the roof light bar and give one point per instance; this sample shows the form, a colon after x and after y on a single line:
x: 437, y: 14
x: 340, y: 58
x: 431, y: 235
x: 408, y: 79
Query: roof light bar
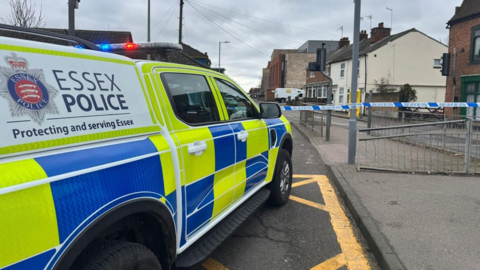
x: 118, y: 47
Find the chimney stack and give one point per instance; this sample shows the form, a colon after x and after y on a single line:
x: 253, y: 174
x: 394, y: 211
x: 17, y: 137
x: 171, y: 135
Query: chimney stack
x: 363, y: 35
x: 379, y: 33
x: 344, y: 42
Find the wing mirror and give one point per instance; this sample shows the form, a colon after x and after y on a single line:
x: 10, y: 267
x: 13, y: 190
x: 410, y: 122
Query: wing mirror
x: 270, y: 110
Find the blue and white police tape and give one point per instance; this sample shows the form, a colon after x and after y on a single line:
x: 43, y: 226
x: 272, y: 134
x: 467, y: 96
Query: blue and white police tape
x: 383, y: 105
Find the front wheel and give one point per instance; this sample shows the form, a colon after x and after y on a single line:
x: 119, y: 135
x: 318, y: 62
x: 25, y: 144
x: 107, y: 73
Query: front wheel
x: 117, y: 255
x: 281, y: 184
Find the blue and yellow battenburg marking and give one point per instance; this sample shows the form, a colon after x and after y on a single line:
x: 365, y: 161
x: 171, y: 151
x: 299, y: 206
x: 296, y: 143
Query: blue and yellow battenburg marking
x: 37, y: 220
x: 39, y: 223
x: 238, y: 167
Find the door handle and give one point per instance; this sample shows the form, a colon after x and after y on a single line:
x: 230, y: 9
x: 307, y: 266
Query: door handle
x: 242, y: 135
x: 197, y: 148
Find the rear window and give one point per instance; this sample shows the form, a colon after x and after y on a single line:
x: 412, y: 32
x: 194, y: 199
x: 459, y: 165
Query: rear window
x: 192, y: 98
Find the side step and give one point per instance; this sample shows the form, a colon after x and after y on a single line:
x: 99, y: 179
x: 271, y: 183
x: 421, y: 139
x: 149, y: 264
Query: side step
x: 205, y: 246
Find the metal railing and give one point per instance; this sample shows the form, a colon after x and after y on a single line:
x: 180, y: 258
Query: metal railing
x: 316, y: 121
x: 440, y: 147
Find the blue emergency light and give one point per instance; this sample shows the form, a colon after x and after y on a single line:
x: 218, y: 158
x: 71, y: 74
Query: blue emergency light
x: 105, y: 47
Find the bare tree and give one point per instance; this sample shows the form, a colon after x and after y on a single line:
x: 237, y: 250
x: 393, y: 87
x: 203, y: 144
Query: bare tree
x: 23, y: 13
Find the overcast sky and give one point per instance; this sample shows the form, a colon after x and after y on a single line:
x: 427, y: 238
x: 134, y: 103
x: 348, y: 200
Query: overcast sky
x: 261, y: 30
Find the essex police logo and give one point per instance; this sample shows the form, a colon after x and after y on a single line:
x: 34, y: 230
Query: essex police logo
x: 25, y: 90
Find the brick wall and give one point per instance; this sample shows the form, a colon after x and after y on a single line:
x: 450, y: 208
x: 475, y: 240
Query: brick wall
x: 385, y: 97
x: 275, y: 67
x: 460, y: 38
x: 266, y: 83
x: 319, y: 77
x: 296, y: 66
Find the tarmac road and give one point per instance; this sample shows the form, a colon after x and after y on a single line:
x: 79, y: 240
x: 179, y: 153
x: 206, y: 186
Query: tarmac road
x: 301, y: 234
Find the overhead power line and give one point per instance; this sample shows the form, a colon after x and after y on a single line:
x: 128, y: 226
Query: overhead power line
x: 173, y: 11
x: 207, y: 11
x: 251, y: 28
x: 279, y: 23
x: 174, y: 5
x: 226, y: 31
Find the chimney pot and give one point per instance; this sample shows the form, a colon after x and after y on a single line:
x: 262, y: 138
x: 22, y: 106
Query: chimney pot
x: 379, y: 33
x: 343, y: 42
x: 363, y: 35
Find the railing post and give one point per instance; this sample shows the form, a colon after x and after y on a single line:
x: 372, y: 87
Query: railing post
x: 357, y: 157
x: 444, y: 141
x: 403, y: 118
x: 468, y: 144
x: 313, y: 120
x: 370, y: 111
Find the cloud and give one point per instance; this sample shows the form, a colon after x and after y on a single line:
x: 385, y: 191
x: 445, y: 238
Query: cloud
x: 243, y: 63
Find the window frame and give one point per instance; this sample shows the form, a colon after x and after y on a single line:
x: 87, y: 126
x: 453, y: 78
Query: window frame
x: 440, y: 63
x: 220, y: 97
x: 465, y: 82
x: 342, y: 69
x: 341, y: 93
x: 472, y: 45
x: 312, y: 74
x: 174, y: 107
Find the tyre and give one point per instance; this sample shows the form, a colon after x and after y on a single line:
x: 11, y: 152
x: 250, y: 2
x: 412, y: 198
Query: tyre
x: 116, y: 255
x: 281, y: 184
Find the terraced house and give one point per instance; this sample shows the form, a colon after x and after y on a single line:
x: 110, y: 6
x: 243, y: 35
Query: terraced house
x: 465, y: 41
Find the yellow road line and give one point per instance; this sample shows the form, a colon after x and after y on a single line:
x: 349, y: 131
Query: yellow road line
x: 332, y: 263
x: 309, y: 203
x: 212, y: 264
x: 311, y: 176
x: 301, y: 183
x: 352, y: 251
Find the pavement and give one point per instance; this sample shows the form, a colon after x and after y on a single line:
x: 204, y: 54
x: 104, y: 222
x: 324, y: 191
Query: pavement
x: 314, y: 230
x: 410, y: 221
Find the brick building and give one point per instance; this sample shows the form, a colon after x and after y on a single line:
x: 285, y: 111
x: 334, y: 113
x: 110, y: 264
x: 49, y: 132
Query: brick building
x: 265, y: 85
x: 316, y: 86
x: 465, y: 38
x: 286, y: 70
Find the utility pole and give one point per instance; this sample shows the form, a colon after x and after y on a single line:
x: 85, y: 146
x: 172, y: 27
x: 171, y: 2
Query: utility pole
x: 72, y: 5
x: 180, y: 23
x: 148, y: 22
x: 352, y: 123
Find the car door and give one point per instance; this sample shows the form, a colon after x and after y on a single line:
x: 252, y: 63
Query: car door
x: 207, y: 147
x: 251, y: 137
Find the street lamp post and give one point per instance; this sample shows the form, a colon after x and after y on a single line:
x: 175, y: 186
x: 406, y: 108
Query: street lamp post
x: 352, y: 123
x: 391, y: 19
x: 220, y: 52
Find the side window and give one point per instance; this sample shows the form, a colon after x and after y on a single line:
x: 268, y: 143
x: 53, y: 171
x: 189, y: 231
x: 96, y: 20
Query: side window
x: 238, y: 106
x: 191, y: 97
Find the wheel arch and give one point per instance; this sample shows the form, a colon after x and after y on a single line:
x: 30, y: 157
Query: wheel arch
x: 287, y: 143
x: 111, y: 220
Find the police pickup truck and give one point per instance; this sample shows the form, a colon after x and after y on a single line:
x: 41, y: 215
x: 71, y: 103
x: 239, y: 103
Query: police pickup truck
x: 115, y: 164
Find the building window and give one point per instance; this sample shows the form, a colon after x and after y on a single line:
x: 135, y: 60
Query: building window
x: 324, y: 90
x: 475, y: 46
x: 342, y: 70
x: 437, y: 63
x: 312, y: 74
x: 341, y: 95
x: 473, y: 95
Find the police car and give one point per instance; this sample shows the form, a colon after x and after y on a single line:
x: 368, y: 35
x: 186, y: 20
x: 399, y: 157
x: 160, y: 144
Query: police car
x: 109, y: 163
